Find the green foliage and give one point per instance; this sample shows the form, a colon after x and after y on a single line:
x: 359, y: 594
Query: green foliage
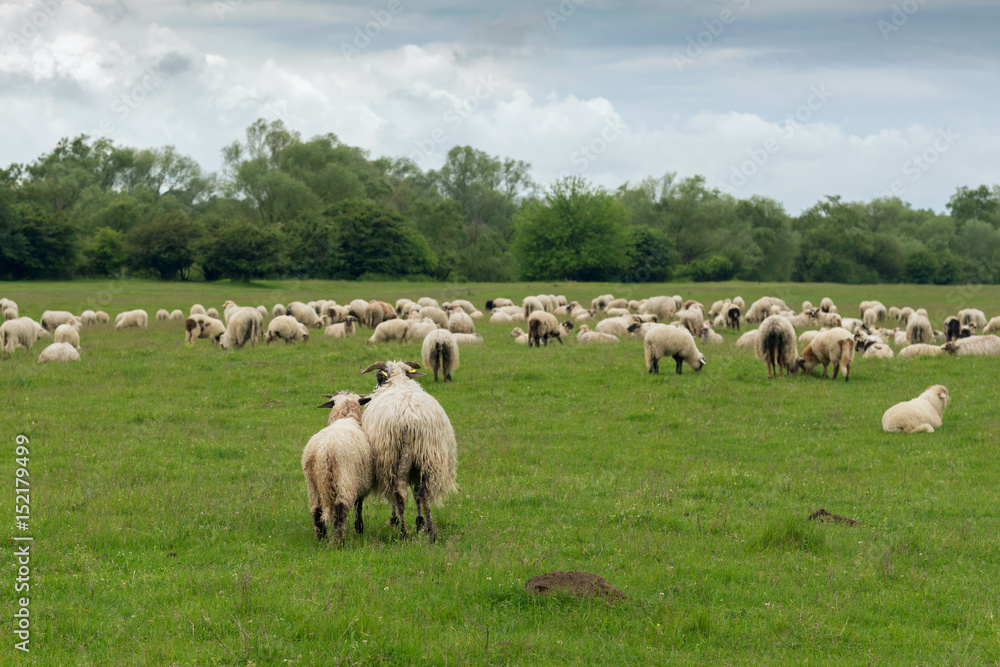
x: 166, y: 248
x: 575, y: 233
x: 650, y: 256
x: 714, y: 269
x: 240, y: 249
x: 921, y: 267
x: 370, y: 239
x: 105, y: 252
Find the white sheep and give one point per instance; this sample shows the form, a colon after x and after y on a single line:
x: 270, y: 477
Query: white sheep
x: 921, y: 350
x: 993, y: 326
x: 439, y: 352
x: 500, y: 317
x: 434, y: 314
x: 202, y: 326
x: 343, y: 329
x: 616, y: 326
x: 88, y: 318
x: 663, y: 307
x: 692, y: 318
x: 339, y: 467
x: 460, y: 322
x: 53, y: 318
x: 601, y: 302
x: 498, y: 303
x: 412, y: 441
x: 426, y: 301
x: 878, y: 351
x: 708, y: 334
x: 67, y: 333
x: 826, y: 305
x: 585, y: 336
x: 749, y: 339
x: 389, y: 330
x: 419, y: 330
x: 531, y: 304
x: 677, y: 342
x: 177, y: 314
x: 131, y: 319
x: 517, y: 333
x: 163, y: 314
x: 303, y: 314
x: 198, y: 309
x: 288, y: 329
x: 981, y: 346
x: 245, y: 326
x: 59, y: 352
x: 760, y: 309
x: 22, y: 332
x: 836, y: 347
x: 102, y: 317
x: 468, y: 339
x: 973, y: 317
x: 775, y: 346
x: 918, y: 330
x: 277, y: 310
x: 922, y: 414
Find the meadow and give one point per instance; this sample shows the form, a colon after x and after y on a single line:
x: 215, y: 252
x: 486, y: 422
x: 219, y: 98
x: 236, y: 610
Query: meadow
x: 170, y: 523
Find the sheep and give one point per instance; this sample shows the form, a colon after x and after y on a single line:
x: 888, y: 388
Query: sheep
x: 419, y: 330
x: 952, y: 327
x: 807, y: 305
x: 521, y: 338
x: 163, y: 314
x: 7, y: 303
x: 412, y: 442
x: 277, y: 310
x: 663, y: 307
x: 826, y: 305
x: 460, y: 322
x: 676, y: 342
x: 339, y: 467
x: 176, y: 314
x: 761, y: 308
x: 203, y: 326
x: 464, y: 305
x: 983, y: 346
x: 733, y: 317
x: 378, y: 312
x: 436, y: 315
x: 197, y: 309
x: 692, y: 318
x: 922, y: 414
x: 617, y: 326
x: 468, y: 339
x: 343, y: 329
x: 618, y: 312
x: 53, y: 318
x: 972, y: 316
x: 88, y: 318
x: 921, y: 350
x: 262, y: 310
x: 992, y: 326
x: 617, y: 303
x: 531, y: 304
x: 22, y: 332
x: 500, y: 317
x: 426, y: 301
x: 10, y: 313
x: 67, y: 333
x: 601, y: 302
x: 708, y: 335
x: 102, y: 317
x: 831, y: 320
x: 131, y: 318
x: 395, y: 329
x: 918, y: 330
x: 498, y: 303
x: 749, y: 339
x: 303, y: 314
x: 904, y: 315
x: 894, y: 313
x: 288, y: 329
x: 59, y: 352
x: 585, y: 336
x: 775, y: 346
x: 439, y: 352
x: 836, y: 347
x: 542, y: 326
x: 870, y: 317
x: 245, y: 326
x: 878, y: 351
x: 807, y: 336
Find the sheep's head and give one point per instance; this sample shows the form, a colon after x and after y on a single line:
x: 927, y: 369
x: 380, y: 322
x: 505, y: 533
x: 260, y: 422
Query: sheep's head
x: 387, y: 369
x: 344, y: 404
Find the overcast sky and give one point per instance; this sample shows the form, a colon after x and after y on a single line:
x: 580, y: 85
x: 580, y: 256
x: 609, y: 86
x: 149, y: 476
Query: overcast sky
x: 790, y: 99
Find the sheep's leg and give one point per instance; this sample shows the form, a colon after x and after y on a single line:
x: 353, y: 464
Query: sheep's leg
x: 422, y: 500
x: 435, y: 373
x: 339, y: 519
x: 419, y: 521
x: 656, y: 366
x: 394, y: 519
x: 359, y: 522
x: 680, y: 363
x: 318, y: 524
x: 400, y: 507
x: 447, y: 375
x: 825, y: 373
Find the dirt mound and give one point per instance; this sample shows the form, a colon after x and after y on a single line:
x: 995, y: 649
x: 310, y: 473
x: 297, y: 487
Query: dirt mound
x: 578, y: 584
x: 823, y: 515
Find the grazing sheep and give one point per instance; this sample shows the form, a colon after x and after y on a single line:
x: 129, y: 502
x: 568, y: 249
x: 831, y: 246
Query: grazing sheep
x: 601, y: 302
x: 775, y: 346
x: 102, y: 317
x: 67, y: 333
x: 59, y: 352
x: 460, y: 322
x: 388, y: 330
x: 836, y: 347
x: 500, y: 317
x: 677, y: 342
x: 419, y: 330
x: 617, y: 326
x: 761, y: 308
x: 53, y: 318
x: 436, y: 315
x: 177, y: 314
x: 973, y: 317
x: 440, y: 353
x: 521, y: 338
x: 303, y: 314
x: 339, y: 467
x: 692, y: 318
x: 807, y: 336
x: 245, y: 326
x: 952, y: 327
x: 922, y: 414
x: 585, y: 336
x: 918, y: 330
x: 412, y: 441
x: 530, y: 304
x: 22, y: 332
x: 378, y: 312
x: 992, y: 326
x: 203, y: 326
x: 131, y: 319
x: 343, y: 329
x: 277, y: 310
x: 262, y: 310
x: 198, y: 309
x: 831, y: 320
x: 663, y: 307
x: 288, y: 329
x: 426, y: 301
x: 542, y: 326
x: 826, y: 305
x: 749, y: 339
x: 468, y: 339
x: 981, y: 346
x: 921, y: 350
x: 163, y: 314
x: 88, y: 318
x: 498, y: 303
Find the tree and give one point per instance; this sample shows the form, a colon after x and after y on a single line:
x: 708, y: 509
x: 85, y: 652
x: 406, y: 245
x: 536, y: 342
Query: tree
x: 575, y: 233
x: 166, y: 248
x: 105, y: 252
x: 374, y: 241
x: 241, y: 250
x: 921, y: 267
x: 978, y: 204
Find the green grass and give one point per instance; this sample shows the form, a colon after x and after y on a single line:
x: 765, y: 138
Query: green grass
x: 171, y: 527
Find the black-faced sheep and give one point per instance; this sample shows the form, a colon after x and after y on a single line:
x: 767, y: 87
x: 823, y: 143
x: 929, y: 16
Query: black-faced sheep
x: 669, y: 341
x: 343, y: 329
x: 836, y: 347
x: 952, y: 327
x: 339, y: 467
x: 288, y: 329
x: 22, y: 332
x: 775, y: 346
x: 439, y: 352
x: 922, y: 414
x: 733, y: 317
x: 412, y: 441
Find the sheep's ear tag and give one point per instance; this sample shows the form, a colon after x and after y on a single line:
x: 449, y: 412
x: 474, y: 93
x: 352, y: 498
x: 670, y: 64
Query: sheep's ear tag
x: 415, y: 374
x: 383, y: 375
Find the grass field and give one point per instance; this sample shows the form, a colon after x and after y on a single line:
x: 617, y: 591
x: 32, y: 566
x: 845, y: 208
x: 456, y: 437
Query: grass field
x: 170, y: 522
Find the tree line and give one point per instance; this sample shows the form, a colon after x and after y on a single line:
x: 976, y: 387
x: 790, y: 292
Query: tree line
x: 282, y: 206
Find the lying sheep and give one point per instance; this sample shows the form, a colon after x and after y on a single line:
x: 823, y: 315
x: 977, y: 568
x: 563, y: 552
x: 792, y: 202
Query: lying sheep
x: 921, y: 350
x: 245, y: 326
x: 677, y: 342
x: 878, y: 351
x: 203, y: 326
x: 67, y: 333
x: 343, y: 329
x: 22, y: 332
x: 617, y: 326
x: 131, y: 319
x: 439, y: 352
x: 339, y: 467
x: 542, y: 326
x: 436, y: 315
x: 982, y: 346
x: 708, y: 334
x: 918, y: 330
x: 288, y: 329
x: 749, y: 339
x: 922, y: 414
x: 59, y: 352
x: 585, y: 336
x: 517, y: 333
x: 468, y: 339
x: 389, y: 330
x: 775, y: 346
x: 836, y: 347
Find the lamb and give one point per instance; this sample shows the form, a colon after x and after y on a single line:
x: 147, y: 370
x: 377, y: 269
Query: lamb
x: 468, y: 339
x: 131, y: 318
x: 277, y: 310
x: 245, y: 326
x: 163, y: 314
x: 836, y: 347
x: 585, y: 336
x: 521, y: 338
x: 412, y: 442
x: 288, y: 329
x: 197, y: 309
x: 922, y: 414
x: 303, y: 314
x: 343, y: 329
x: 708, y: 335
x: 983, y: 346
x: 22, y: 332
x: 460, y: 322
x: 992, y: 326
x: 102, y: 317
x: 921, y: 350
x: 59, y: 352
x: 203, y: 326
x: 440, y: 353
x: 53, y: 318
x: 67, y: 333
x: 676, y: 342
x: 339, y: 467
x: 542, y: 326
x: 177, y: 314
x: 775, y: 346
x: 918, y: 330
x: 395, y: 329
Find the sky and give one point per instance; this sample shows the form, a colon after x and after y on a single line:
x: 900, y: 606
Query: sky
x: 793, y: 100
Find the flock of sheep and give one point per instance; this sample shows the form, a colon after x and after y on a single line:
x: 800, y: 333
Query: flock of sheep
x: 403, y: 438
